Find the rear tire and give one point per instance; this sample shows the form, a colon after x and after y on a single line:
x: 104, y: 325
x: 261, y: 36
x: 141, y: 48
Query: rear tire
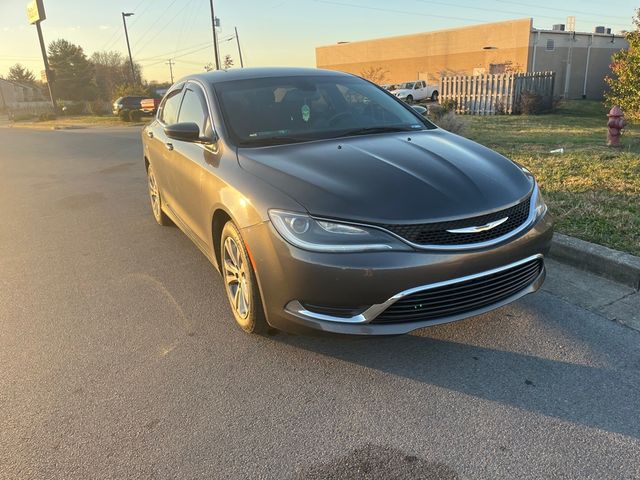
x: 435, y: 96
x: 240, y: 282
x: 156, y: 199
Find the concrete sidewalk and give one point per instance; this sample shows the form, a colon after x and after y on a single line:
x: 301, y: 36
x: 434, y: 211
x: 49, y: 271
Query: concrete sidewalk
x: 613, y: 301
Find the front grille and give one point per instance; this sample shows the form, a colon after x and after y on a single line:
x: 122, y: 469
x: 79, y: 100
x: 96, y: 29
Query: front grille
x: 462, y: 297
x: 436, y: 233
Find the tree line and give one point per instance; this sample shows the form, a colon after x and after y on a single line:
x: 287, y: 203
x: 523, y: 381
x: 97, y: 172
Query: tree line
x: 104, y: 75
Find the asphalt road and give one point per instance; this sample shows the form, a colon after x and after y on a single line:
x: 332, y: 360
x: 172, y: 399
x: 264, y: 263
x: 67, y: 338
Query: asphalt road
x: 119, y: 358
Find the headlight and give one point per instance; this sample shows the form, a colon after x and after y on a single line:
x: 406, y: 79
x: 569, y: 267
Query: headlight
x: 539, y: 205
x: 324, y: 236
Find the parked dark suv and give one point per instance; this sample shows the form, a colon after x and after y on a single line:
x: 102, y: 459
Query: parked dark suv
x: 126, y: 103
x: 327, y: 203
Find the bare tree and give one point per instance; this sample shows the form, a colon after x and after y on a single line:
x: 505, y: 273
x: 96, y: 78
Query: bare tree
x: 375, y: 74
x: 112, y: 70
x: 228, y: 62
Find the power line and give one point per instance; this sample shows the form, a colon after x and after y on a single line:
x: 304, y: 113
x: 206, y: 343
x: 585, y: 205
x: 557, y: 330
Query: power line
x: 485, y: 9
x: 402, y: 12
x: 164, y: 55
x: 432, y: 15
x: 116, y: 35
x: 161, y: 17
x: 189, y: 19
x: 161, y: 30
x: 179, y: 56
x: 566, y: 11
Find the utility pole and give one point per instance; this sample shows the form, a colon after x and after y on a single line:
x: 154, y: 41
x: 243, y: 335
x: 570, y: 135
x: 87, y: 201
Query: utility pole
x: 47, y: 69
x: 35, y: 15
x: 171, y: 63
x: 239, y: 51
x: 215, y: 36
x: 126, y: 34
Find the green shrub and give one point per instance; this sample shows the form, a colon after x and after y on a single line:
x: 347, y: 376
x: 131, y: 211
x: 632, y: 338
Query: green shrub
x: 98, y: 107
x: 531, y: 103
x: 451, y: 122
x: 135, y: 115
x: 22, y: 116
x: 124, y: 115
x: 45, y: 116
x: 71, y: 108
x: 449, y: 105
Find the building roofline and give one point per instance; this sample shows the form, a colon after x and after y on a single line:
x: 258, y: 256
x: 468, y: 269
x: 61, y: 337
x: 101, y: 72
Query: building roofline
x: 567, y: 32
x: 530, y: 19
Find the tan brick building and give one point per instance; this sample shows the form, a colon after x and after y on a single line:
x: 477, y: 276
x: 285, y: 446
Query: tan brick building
x: 487, y: 48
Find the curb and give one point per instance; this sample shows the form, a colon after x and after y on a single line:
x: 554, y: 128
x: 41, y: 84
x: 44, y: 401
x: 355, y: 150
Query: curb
x: 609, y: 263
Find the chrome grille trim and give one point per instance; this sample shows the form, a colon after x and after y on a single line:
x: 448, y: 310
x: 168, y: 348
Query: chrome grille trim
x: 295, y: 307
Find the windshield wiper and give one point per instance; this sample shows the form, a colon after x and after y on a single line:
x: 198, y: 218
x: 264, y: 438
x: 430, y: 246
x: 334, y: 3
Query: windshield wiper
x: 368, y: 130
x: 276, y: 140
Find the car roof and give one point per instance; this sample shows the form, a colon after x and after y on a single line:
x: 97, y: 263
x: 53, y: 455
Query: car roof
x: 218, y: 76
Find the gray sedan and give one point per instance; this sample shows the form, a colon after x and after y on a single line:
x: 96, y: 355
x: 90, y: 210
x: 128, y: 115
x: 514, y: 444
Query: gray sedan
x: 328, y: 204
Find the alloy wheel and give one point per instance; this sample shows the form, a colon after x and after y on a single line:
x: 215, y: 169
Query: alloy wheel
x: 154, y: 194
x: 235, y: 275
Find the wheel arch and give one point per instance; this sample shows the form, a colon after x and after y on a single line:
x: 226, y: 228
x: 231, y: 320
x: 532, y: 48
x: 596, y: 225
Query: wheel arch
x: 218, y: 220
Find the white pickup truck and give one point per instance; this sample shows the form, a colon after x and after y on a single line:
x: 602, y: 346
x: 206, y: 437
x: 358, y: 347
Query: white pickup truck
x: 417, y: 90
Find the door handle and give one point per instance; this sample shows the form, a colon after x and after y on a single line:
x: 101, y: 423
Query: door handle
x: 149, y: 134
x: 169, y: 146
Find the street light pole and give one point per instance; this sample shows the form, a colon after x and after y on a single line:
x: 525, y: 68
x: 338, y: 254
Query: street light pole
x: 47, y: 69
x: 215, y: 36
x: 126, y: 34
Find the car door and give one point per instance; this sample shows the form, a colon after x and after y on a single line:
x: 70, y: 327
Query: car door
x: 419, y: 91
x: 188, y: 168
x: 159, y: 149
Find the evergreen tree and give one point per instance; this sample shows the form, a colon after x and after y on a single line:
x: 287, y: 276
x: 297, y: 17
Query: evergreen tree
x: 73, y: 71
x: 20, y: 74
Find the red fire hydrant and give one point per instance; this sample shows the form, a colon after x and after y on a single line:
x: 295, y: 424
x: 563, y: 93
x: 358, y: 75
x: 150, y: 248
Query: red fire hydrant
x: 616, y: 123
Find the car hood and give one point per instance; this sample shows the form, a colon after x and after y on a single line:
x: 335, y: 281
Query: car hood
x: 391, y: 178
x: 402, y: 91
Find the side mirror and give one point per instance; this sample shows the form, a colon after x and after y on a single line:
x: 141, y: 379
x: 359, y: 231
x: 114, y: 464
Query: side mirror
x: 420, y: 109
x: 187, y: 131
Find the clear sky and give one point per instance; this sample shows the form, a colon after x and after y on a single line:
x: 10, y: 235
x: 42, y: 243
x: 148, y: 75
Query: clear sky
x: 272, y: 32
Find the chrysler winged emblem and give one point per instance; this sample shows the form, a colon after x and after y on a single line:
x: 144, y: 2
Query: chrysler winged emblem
x: 479, y: 228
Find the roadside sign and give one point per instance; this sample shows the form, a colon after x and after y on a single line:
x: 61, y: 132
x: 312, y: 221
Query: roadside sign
x: 35, y: 11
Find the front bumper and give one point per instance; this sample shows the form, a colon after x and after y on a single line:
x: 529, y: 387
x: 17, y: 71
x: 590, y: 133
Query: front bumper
x: 290, y: 278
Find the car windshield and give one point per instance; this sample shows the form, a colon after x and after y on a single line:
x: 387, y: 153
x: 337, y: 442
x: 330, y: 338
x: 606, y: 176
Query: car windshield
x: 406, y: 86
x: 279, y: 110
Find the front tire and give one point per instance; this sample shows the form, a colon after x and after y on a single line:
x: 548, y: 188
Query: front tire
x: 409, y: 99
x: 240, y: 282
x: 156, y: 200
